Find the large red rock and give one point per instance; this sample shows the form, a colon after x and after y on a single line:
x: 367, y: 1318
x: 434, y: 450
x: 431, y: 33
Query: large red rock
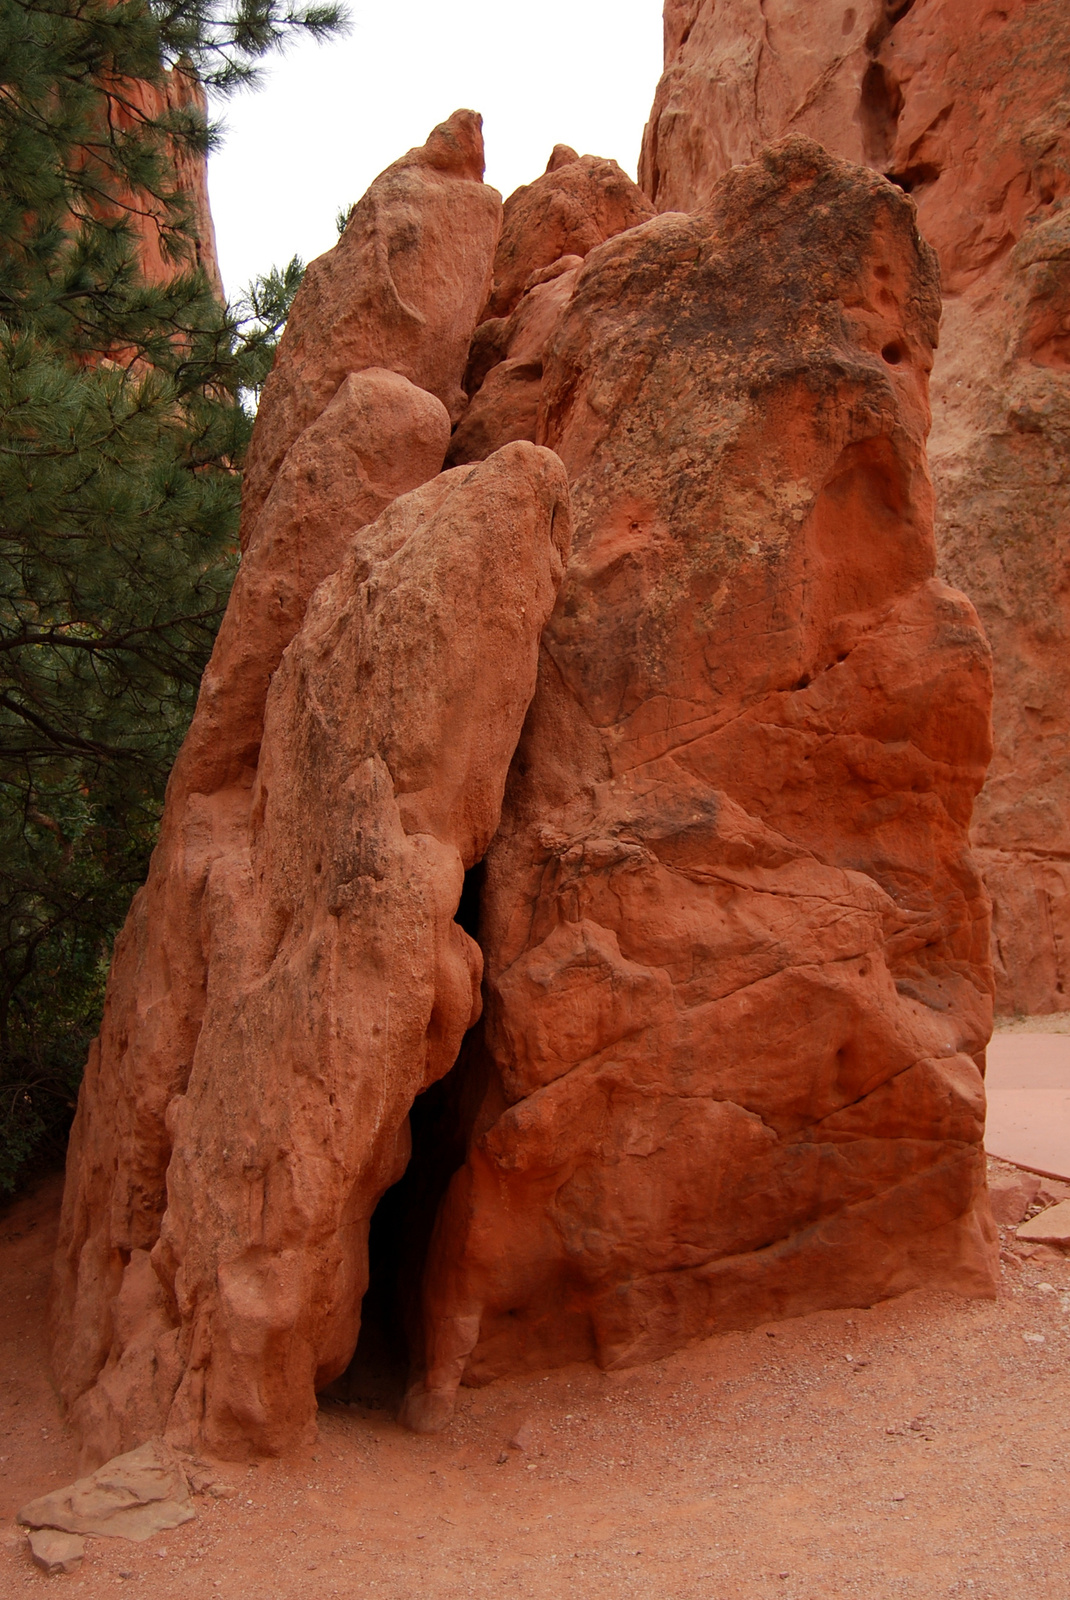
x: 339, y: 985
x: 578, y: 202
x: 737, y: 950
x: 548, y: 228
x: 963, y: 103
x: 374, y: 437
x: 336, y: 984
x: 403, y: 288
x: 505, y: 367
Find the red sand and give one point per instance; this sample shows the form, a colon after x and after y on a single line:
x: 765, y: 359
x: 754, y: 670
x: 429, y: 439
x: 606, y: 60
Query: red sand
x: 704, y: 1476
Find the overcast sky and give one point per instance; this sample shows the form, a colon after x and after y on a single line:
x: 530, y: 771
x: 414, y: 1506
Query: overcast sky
x: 330, y: 117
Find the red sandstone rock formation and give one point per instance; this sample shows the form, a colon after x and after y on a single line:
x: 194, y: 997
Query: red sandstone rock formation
x: 736, y: 946
x: 577, y: 203
x: 737, y: 975
x: 964, y: 103
x: 548, y: 228
x: 403, y: 289
x: 366, y: 433
x: 178, y: 91
x: 505, y: 366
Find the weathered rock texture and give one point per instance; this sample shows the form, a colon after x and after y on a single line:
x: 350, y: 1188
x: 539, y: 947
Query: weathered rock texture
x: 403, y: 288
x: 136, y: 1496
x: 966, y: 104
x: 549, y: 227
x: 342, y: 446
x: 737, y: 951
x: 577, y: 203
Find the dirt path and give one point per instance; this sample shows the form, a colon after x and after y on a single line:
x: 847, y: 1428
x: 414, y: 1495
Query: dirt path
x: 916, y: 1449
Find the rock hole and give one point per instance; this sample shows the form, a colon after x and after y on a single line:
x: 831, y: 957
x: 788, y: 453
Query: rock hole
x: 893, y: 354
x: 880, y: 106
x: 916, y: 177
x: 803, y: 682
x: 467, y: 915
x: 850, y: 17
x: 399, y: 1233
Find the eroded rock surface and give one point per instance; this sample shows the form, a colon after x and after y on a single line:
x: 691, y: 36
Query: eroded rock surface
x: 370, y: 434
x: 737, y: 950
x: 337, y: 984
x: 578, y: 202
x: 967, y: 106
x: 403, y: 288
x: 549, y: 227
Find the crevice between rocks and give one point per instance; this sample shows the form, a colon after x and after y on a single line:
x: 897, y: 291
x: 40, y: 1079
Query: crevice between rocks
x: 399, y: 1235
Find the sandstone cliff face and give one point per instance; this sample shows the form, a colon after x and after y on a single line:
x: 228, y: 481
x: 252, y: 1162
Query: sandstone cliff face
x: 737, y: 974
x: 967, y: 106
x: 367, y: 434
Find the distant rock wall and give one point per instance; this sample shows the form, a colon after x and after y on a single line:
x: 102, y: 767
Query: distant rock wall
x: 177, y: 91
x: 966, y: 105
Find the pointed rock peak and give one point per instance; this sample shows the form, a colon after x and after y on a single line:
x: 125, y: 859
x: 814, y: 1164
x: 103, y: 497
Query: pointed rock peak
x: 455, y: 146
x: 562, y: 155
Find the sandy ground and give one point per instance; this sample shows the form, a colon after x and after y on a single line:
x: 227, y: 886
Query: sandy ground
x: 1057, y: 1022
x: 918, y: 1448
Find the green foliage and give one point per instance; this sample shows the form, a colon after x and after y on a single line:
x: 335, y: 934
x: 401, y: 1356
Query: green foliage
x: 122, y: 429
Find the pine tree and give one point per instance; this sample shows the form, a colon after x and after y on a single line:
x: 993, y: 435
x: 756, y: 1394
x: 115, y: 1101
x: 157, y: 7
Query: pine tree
x: 122, y: 430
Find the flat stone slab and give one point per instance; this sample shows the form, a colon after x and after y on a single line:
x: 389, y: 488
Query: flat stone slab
x: 133, y: 1496
x: 1028, y: 1089
x: 1049, y: 1227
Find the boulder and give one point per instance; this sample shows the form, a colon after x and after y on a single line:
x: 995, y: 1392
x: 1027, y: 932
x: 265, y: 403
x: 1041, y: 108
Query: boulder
x: 1049, y: 1227
x: 1011, y: 1194
x: 136, y: 1496
x: 737, y: 950
x: 371, y: 435
x: 908, y: 88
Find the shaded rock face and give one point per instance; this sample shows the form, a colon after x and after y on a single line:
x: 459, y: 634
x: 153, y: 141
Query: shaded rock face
x: 737, y: 973
x: 371, y: 437
x: 965, y: 105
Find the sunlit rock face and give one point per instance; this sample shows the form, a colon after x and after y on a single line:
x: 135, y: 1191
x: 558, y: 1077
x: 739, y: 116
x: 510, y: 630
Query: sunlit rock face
x: 737, y: 951
x: 354, y: 416
x: 964, y: 104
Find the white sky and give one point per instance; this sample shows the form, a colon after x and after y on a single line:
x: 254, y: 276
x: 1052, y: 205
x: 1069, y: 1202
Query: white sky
x: 330, y: 117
